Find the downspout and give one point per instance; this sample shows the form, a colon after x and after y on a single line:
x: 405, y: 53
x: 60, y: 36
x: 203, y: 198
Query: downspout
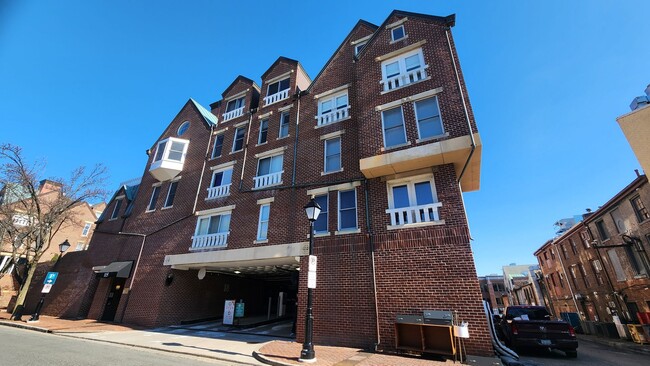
x: 135, y: 270
x: 372, y: 257
x: 573, y: 296
x: 205, y: 160
x: 295, y: 145
x: 248, y: 136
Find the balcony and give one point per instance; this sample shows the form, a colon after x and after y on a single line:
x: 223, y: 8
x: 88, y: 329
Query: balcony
x: 21, y: 220
x: 233, y: 114
x: 404, y: 79
x: 414, y: 214
x: 333, y: 116
x: 219, y: 191
x: 268, y: 180
x: 274, y: 98
x: 168, y: 159
x: 210, y: 241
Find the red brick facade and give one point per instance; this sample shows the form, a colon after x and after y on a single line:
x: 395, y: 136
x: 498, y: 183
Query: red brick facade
x: 366, y: 275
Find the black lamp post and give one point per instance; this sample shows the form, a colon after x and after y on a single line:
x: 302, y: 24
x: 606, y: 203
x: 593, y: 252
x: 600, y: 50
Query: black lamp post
x: 62, y: 248
x: 312, y: 209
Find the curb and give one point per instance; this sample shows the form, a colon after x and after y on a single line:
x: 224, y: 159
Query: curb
x: 263, y: 359
x: 24, y: 326
x: 618, y: 345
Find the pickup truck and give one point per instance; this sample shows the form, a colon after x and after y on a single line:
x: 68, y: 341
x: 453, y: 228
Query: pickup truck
x: 531, y: 327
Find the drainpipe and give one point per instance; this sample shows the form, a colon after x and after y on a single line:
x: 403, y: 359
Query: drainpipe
x: 295, y: 144
x: 248, y: 136
x: 205, y: 160
x: 573, y: 296
x: 372, y: 257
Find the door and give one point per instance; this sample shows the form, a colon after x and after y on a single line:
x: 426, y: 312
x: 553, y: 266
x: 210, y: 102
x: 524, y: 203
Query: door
x: 113, y: 299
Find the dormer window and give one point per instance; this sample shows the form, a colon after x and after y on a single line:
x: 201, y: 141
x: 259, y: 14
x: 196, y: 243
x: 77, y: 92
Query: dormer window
x: 277, y: 91
x: 358, y: 47
x: 398, y: 33
x: 234, y: 108
x: 169, y: 158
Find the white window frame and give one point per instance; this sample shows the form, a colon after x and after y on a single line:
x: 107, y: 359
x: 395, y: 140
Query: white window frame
x: 86, y: 230
x: 234, y: 140
x: 116, y: 208
x: 168, y: 142
x: 157, y: 188
x: 282, y: 122
x: 358, y: 47
x: 410, y: 183
x: 417, y: 118
x: 197, y: 237
x: 260, y: 222
x: 216, y: 171
x: 392, y: 33
x: 356, y: 216
x: 383, y: 128
x: 401, y: 63
x: 169, y: 190
x: 324, y: 211
x: 268, y: 87
x: 259, y: 135
x: 325, y: 156
x: 234, y: 101
x: 214, y: 146
x: 336, y: 113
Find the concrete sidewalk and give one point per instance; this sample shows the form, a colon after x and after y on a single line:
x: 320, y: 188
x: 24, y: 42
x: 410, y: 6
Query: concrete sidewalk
x: 233, y: 347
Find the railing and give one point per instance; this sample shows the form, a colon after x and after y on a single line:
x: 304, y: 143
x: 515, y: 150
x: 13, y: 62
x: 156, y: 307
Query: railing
x: 333, y: 116
x: 414, y: 214
x: 270, y: 99
x: 210, y: 241
x: 405, y: 79
x: 233, y: 114
x: 268, y: 180
x: 21, y: 220
x: 219, y: 191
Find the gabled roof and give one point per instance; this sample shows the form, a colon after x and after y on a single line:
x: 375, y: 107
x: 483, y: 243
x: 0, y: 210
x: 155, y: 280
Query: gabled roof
x: 242, y: 79
x: 210, y: 118
x: 280, y: 59
x: 130, y: 190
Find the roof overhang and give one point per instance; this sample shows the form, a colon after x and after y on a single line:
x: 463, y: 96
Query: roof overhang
x: 115, y: 269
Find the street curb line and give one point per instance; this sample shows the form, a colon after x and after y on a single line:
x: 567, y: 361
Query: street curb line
x: 24, y: 326
x: 258, y: 356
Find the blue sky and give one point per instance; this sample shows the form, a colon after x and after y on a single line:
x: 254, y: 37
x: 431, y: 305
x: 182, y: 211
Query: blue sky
x: 83, y: 82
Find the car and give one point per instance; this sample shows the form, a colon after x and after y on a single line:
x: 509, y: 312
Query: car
x: 525, y: 327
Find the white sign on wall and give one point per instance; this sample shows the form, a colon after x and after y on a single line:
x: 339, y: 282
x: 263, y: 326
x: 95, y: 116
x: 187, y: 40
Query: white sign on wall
x: 46, y: 289
x: 229, y: 312
x: 311, y: 279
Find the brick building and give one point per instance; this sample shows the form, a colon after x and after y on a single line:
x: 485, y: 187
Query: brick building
x: 494, y: 291
x: 599, y: 267
x: 383, y: 138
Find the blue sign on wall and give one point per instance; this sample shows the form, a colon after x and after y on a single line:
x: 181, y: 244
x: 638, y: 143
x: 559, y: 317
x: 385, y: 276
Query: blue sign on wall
x: 50, y: 278
x: 239, y: 310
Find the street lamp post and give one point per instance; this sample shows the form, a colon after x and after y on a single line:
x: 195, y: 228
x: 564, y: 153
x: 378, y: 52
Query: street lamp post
x: 312, y: 209
x: 62, y: 248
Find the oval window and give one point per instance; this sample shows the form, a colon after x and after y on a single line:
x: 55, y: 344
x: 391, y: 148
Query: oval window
x: 183, y: 128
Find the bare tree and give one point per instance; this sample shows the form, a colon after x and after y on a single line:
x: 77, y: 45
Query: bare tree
x: 29, y: 218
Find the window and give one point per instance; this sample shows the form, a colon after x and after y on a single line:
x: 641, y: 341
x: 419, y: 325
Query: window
x: 333, y: 155
x: 398, y: 33
x: 634, y: 257
x: 618, y: 220
x: 574, y: 276
x: 263, y: 225
x: 235, y: 104
x: 639, y: 209
x: 278, y: 87
x: 80, y: 246
x: 597, y: 267
x: 347, y: 210
x: 602, y: 230
x: 403, y: 70
x: 171, y: 149
x: 264, y: 129
x: 269, y: 171
x: 574, y: 248
x: 561, y: 280
x: 238, y: 143
x: 183, y: 128
x: 154, y: 198
x: 427, y: 114
x: 616, y: 263
x: 218, y: 146
x: 358, y: 47
x: 333, y: 108
x: 552, y: 254
x: 171, y: 193
x: 394, y: 132
x: 116, y: 209
x: 586, y: 238
x: 320, y: 225
x: 284, y: 125
x: 220, y: 183
x: 412, y: 200
x: 211, y: 231
x: 86, y: 229
x: 564, y: 251
x: 583, y: 272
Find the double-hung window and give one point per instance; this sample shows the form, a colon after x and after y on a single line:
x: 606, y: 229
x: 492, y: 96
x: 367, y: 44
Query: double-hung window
x: 393, y: 127
x: 220, y: 183
x: 116, y: 209
x: 171, y: 194
x: 602, y: 230
x: 277, y: 91
x: 320, y: 225
x: 264, y: 129
x: 639, y: 209
x: 154, y: 198
x: 427, y: 114
x: 238, y: 142
x: 412, y: 200
x: 218, y: 146
x: 234, y: 108
x: 269, y: 171
x: 211, y: 232
x: 333, y: 155
x: 333, y: 109
x: 86, y: 229
x: 403, y: 70
x: 284, y: 125
x: 263, y: 223
x: 347, y: 210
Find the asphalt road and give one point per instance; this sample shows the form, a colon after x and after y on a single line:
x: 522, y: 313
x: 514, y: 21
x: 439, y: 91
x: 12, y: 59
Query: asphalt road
x: 26, y: 347
x: 589, y: 354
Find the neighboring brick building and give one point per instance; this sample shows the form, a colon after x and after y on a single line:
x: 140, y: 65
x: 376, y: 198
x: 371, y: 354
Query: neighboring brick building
x: 599, y: 267
x: 494, y: 291
x: 383, y: 138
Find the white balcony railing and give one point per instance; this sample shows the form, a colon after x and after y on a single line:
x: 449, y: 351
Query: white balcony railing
x: 268, y: 180
x: 21, y: 220
x: 273, y: 98
x: 333, y: 116
x: 210, y: 241
x: 405, y: 79
x: 414, y: 214
x: 219, y: 191
x: 233, y: 114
